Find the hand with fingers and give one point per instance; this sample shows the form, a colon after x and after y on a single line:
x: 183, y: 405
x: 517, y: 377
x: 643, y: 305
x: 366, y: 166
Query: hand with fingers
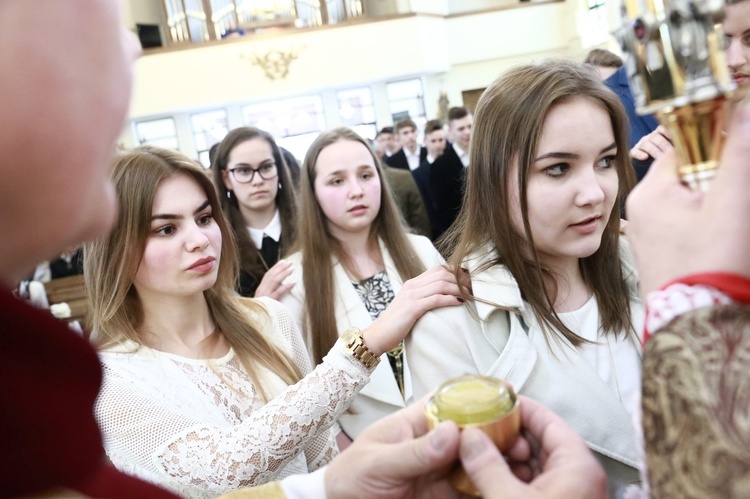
x: 437, y: 287
x: 675, y: 231
x: 396, y: 457
x: 654, y: 145
x: 272, y: 285
x: 550, y: 460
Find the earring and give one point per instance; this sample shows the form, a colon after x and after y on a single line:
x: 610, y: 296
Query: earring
x: 280, y: 186
x: 229, y: 194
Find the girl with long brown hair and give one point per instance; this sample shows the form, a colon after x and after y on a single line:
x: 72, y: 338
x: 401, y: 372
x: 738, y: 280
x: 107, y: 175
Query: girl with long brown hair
x: 205, y: 391
x: 257, y: 194
x: 354, y: 254
x: 553, y: 306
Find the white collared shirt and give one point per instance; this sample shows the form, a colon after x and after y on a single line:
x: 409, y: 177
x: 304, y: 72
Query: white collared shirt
x: 464, y: 155
x: 413, y: 158
x: 272, y: 230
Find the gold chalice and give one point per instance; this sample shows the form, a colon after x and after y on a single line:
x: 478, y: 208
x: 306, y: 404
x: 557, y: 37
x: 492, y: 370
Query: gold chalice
x: 677, y: 69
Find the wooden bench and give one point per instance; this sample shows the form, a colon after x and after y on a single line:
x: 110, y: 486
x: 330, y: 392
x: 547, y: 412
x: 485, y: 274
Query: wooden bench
x: 72, y: 291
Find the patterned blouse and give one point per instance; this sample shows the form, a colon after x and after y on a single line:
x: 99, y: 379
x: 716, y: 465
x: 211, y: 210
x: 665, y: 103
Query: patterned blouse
x: 377, y: 293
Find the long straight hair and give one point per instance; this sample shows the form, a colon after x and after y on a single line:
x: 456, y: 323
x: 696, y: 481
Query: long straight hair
x: 111, y: 263
x: 318, y: 245
x: 507, y: 125
x: 250, y: 258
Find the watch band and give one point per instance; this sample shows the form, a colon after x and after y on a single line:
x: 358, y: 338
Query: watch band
x: 355, y: 344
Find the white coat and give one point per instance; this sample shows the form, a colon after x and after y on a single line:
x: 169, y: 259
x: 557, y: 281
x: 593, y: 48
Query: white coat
x: 381, y: 396
x: 507, y: 342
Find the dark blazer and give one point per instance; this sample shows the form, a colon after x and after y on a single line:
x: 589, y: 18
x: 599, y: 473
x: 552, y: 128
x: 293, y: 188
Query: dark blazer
x: 398, y: 159
x: 640, y: 126
x: 409, y: 199
x: 447, y: 182
x: 422, y: 178
x: 270, y: 255
x: 62, y: 268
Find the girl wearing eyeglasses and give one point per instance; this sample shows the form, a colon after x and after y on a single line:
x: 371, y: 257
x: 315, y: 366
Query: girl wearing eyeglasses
x: 354, y: 257
x: 257, y: 194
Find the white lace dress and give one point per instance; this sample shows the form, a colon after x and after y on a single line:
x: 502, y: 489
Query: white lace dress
x: 198, y: 427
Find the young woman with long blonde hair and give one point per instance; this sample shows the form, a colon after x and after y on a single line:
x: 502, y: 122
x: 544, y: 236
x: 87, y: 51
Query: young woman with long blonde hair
x: 205, y: 391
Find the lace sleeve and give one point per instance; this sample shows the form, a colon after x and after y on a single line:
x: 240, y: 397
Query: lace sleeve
x: 323, y: 448
x: 294, y: 301
x: 143, y: 433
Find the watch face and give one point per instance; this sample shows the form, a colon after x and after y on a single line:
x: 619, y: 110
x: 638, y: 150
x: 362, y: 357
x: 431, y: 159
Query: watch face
x: 350, y: 334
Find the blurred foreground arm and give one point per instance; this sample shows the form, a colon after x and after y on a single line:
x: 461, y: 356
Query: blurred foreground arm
x: 396, y: 457
x: 692, y: 250
x: 694, y: 404
x: 399, y: 457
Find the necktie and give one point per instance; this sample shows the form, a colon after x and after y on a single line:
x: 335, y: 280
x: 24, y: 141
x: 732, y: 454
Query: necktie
x: 269, y: 251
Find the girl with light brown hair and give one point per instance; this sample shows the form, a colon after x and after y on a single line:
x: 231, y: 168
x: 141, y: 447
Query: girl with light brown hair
x: 554, y: 307
x: 354, y: 256
x: 205, y: 391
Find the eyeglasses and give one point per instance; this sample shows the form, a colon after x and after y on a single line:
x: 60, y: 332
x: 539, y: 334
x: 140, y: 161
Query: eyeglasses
x: 245, y: 174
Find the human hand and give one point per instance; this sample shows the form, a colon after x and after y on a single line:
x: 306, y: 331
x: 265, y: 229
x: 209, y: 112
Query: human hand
x: 271, y: 284
x: 550, y: 460
x: 437, y: 287
x: 396, y: 457
x: 675, y: 231
x: 654, y: 145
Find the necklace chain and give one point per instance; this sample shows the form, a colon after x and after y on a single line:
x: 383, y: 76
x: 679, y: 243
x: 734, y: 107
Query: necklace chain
x: 263, y: 260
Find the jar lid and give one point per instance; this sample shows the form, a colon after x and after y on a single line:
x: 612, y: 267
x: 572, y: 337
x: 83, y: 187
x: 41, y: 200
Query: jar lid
x: 472, y: 400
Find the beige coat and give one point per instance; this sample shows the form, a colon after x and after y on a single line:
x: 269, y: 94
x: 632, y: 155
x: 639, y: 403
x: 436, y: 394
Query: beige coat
x: 450, y: 342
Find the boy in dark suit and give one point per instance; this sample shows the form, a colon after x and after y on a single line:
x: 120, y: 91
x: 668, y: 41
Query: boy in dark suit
x: 411, y: 154
x: 448, y: 172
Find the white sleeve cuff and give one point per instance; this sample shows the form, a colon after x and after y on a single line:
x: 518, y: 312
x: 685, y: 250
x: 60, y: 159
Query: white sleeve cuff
x: 676, y: 299
x: 310, y: 486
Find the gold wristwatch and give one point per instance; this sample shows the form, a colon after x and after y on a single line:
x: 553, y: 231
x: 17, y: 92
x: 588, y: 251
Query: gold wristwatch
x: 355, y: 344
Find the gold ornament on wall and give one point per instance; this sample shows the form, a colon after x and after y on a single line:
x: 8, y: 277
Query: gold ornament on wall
x: 275, y: 63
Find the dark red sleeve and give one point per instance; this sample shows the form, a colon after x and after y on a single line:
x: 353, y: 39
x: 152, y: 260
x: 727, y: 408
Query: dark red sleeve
x: 49, y: 380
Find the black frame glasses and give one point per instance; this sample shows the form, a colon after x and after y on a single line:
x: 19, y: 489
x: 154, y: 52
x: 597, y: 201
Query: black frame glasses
x: 271, y: 172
